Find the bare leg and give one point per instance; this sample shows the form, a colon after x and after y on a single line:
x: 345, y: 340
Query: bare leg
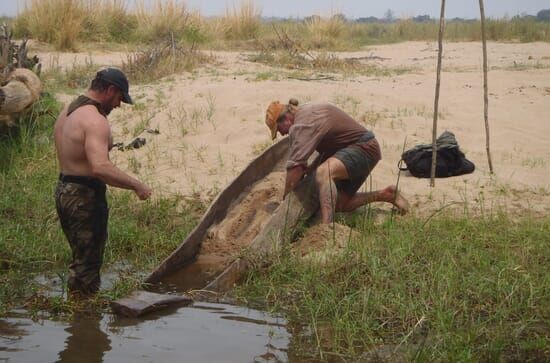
x: 331, y: 200
x: 388, y: 194
x: 330, y: 171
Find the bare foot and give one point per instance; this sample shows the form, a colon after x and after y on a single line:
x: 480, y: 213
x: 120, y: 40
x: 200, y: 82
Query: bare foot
x: 391, y: 195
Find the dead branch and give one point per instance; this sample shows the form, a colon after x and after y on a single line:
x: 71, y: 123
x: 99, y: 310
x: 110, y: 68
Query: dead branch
x: 165, y: 58
x: 369, y: 57
x: 293, y: 48
x: 318, y: 78
x: 14, y: 56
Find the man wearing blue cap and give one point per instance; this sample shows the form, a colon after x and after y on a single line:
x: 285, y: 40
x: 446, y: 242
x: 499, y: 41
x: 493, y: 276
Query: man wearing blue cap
x: 83, y: 141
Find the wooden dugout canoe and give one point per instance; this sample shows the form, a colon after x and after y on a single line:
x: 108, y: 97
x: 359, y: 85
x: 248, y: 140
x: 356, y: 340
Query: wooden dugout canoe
x: 302, y: 203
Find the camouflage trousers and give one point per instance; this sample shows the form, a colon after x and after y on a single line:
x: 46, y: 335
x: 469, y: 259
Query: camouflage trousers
x: 83, y: 212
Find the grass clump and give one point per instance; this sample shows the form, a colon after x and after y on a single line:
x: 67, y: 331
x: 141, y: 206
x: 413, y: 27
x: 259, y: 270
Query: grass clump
x: 174, y: 33
x: 290, y: 53
x: 31, y: 240
x: 64, y: 23
x: 72, y: 78
x: 242, y: 23
x: 456, y: 289
x: 325, y: 31
x: 167, y: 20
x: 108, y: 21
x: 162, y: 60
x: 58, y: 22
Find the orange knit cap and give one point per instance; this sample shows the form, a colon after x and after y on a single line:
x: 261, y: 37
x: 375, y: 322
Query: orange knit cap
x: 271, y: 115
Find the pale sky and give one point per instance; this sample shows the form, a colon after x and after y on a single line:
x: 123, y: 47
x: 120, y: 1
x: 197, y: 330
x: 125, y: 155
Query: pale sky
x: 354, y: 8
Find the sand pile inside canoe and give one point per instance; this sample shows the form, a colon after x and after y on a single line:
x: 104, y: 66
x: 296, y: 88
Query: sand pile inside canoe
x: 245, y: 219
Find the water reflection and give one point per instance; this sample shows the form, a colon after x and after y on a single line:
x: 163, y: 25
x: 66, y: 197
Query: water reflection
x: 207, y: 333
x: 85, y: 335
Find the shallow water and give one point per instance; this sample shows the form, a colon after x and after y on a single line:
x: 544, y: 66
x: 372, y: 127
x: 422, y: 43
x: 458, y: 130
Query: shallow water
x: 194, y: 276
x: 204, y: 332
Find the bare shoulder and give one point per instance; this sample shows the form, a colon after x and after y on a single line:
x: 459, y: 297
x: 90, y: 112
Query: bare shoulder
x: 90, y: 119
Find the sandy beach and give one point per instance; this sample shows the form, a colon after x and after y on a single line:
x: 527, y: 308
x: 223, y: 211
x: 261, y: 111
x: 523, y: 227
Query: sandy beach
x: 211, y: 121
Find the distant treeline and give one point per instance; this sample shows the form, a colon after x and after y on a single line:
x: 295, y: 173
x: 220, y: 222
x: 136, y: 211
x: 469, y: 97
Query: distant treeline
x: 67, y: 24
x: 389, y: 17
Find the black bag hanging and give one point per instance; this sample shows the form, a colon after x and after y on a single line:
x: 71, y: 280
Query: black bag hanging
x: 450, y: 161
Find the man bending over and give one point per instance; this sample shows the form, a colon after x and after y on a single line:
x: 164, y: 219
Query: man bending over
x: 347, y: 154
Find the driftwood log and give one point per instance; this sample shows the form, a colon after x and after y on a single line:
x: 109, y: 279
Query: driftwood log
x: 20, y: 87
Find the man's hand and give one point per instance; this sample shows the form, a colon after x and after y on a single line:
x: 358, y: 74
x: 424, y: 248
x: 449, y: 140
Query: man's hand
x: 143, y: 191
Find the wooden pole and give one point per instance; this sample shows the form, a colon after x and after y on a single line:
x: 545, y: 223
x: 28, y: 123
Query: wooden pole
x: 485, y: 86
x: 437, y: 86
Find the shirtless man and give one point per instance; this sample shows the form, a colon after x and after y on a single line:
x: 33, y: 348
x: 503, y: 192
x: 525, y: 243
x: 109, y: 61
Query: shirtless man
x: 347, y: 154
x: 83, y: 141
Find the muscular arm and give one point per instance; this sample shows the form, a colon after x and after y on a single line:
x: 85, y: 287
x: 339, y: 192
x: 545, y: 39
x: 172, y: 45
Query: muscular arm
x: 96, y: 146
x: 293, y: 176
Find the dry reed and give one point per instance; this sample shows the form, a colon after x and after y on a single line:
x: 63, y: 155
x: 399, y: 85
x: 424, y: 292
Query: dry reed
x: 165, y: 19
x: 243, y: 22
x: 57, y: 22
